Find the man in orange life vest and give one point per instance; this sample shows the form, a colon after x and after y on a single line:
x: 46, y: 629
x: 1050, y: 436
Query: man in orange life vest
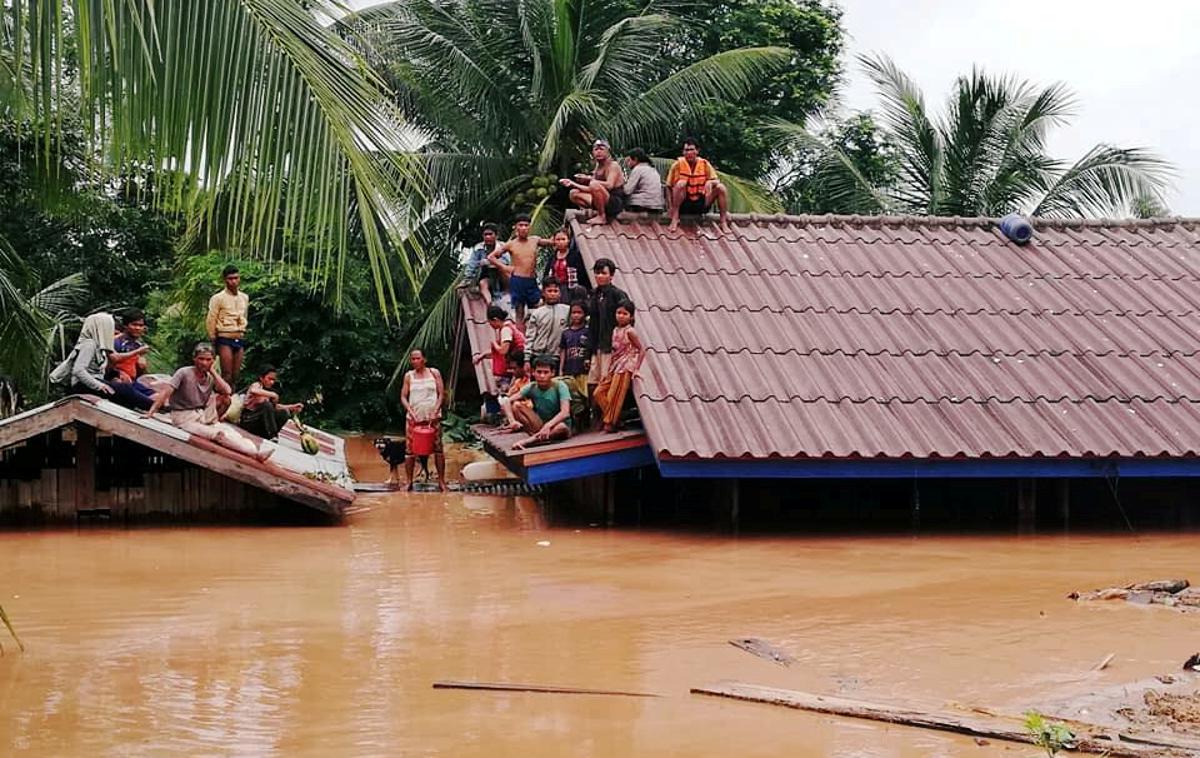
x: 694, y: 187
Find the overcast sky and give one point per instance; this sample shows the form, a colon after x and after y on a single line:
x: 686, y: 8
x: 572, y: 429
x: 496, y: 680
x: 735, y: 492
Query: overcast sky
x: 1134, y: 66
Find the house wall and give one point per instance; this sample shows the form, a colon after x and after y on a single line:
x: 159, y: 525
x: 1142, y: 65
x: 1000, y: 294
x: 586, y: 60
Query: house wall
x: 40, y: 483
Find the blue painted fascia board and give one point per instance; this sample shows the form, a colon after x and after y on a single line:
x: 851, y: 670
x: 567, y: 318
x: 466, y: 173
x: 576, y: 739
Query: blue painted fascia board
x: 619, y: 460
x: 976, y: 468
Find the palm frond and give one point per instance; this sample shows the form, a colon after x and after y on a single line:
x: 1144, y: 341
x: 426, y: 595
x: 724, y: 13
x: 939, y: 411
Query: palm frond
x: 436, y: 330
x: 657, y: 112
x: 921, y: 185
x: 843, y: 186
x: 251, y: 100
x: 1105, y: 181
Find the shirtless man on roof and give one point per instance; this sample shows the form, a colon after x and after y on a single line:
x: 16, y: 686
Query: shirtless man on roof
x: 603, y: 190
x: 522, y: 283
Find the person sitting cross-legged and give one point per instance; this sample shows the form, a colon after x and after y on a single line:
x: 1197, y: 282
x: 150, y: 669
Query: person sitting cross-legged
x: 549, y: 415
x: 694, y: 187
x: 191, y: 393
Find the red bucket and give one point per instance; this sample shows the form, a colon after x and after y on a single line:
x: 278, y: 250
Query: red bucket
x: 420, y: 442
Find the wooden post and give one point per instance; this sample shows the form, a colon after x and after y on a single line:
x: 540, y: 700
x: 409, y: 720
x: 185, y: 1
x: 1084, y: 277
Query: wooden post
x: 1026, y: 505
x: 459, y: 332
x: 85, y: 467
x: 1064, y: 502
x: 610, y: 500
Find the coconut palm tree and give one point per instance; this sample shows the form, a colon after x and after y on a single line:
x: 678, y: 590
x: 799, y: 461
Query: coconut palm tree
x: 985, y: 155
x: 511, y: 95
x: 32, y: 318
x: 252, y: 115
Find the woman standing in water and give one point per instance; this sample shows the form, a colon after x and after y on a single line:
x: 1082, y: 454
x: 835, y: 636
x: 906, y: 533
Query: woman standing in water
x: 423, y: 396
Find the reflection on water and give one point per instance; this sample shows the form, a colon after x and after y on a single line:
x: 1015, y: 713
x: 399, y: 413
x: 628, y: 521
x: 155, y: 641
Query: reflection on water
x: 298, y: 641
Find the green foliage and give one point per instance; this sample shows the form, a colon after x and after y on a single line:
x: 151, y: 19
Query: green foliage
x: 62, y: 223
x: 253, y: 110
x: 732, y: 132
x: 1048, y: 735
x: 336, y: 360
x: 811, y: 185
x: 984, y: 155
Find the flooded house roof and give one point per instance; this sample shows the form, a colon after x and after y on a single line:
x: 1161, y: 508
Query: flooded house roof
x: 320, y: 481
x: 796, y: 345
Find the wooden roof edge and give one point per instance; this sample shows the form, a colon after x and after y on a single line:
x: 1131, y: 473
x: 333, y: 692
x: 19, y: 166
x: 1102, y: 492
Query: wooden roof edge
x: 198, y: 451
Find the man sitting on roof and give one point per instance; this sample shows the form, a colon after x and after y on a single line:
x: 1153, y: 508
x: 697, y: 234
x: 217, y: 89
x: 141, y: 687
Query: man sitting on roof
x: 643, y: 188
x: 695, y: 187
x: 190, y: 391
x: 549, y: 415
x: 480, y: 272
x: 603, y: 190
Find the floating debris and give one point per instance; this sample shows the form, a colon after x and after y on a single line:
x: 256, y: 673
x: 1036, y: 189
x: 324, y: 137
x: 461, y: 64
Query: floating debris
x: 764, y: 650
x: 1172, y: 593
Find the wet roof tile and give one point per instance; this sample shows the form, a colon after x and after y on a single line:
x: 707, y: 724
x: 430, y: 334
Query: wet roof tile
x: 900, y: 337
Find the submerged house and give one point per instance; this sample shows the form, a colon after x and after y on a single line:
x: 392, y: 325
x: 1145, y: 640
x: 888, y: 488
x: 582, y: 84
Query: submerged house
x: 905, y: 349
x: 86, y: 457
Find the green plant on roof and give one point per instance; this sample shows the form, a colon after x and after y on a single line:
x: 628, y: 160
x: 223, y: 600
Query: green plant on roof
x: 1047, y: 735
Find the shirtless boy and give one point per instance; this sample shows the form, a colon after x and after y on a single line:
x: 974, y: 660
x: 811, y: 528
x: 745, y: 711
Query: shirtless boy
x: 522, y: 272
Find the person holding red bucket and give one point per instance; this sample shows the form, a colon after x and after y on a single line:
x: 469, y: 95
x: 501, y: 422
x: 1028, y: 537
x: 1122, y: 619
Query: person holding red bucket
x: 423, y: 396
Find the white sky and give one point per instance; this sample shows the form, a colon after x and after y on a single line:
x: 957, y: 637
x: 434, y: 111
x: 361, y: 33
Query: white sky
x: 1134, y: 66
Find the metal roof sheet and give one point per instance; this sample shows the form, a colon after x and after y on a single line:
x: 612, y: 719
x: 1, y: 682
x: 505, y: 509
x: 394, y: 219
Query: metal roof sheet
x: 849, y: 337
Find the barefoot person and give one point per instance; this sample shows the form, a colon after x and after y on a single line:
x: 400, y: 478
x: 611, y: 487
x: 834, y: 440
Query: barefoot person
x: 422, y: 396
x: 627, y: 356
x: 522, y: 271
x: 262, y: 414
x: 548, y: 417
x: 191, y: 392
x: 604, y: 190
x: 227, y: 311
x: 479, y: 272
x: 694, y: 187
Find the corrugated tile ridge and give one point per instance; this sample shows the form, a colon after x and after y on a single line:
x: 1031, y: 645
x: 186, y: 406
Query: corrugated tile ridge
x: 907, y: 274
x: 897, y: 311
x: 789, y: 399
x: 910, y: 221
x: 909, y: 352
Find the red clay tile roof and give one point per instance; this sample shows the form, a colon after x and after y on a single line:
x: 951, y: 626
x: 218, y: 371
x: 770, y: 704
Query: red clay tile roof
x: 886, y: 337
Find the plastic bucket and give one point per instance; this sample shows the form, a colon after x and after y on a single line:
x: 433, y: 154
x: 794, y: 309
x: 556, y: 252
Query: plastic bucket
x: 420, y: 442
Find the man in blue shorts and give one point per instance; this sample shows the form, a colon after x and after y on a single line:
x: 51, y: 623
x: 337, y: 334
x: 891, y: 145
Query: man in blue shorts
x: 522, y: 271
x: 227, y: 311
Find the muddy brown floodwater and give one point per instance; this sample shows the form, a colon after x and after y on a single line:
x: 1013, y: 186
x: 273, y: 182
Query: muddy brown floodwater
x: 324, y: 641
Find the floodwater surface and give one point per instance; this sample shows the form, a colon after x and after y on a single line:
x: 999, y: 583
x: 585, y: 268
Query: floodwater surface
x: 325, y: 641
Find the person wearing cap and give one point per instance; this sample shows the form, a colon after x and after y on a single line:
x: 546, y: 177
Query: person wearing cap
x: 603, y: 190
x: 694, y: 187
x: 643, y: 188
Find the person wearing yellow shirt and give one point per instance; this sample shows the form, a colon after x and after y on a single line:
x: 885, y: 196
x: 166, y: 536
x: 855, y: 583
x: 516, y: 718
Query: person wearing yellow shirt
x: 226, y: 324
x: 694, y: 187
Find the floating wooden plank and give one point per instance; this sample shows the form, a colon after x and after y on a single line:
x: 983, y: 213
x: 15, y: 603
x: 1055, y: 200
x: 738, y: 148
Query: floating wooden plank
x: 995, y: 727
x: 764, y: 650
x: 547, y: 688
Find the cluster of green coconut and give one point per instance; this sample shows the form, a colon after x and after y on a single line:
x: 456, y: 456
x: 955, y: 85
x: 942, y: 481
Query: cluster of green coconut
x: 540, y: 188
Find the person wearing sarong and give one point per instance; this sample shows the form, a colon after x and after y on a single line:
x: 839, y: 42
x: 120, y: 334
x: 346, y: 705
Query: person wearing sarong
x: 627, y: 356
x: 262, y: 413
x: 423, y: 396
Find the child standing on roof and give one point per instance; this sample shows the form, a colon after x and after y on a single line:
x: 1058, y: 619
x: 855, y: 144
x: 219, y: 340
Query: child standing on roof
x: 627, y: 357
x: 522, y: 272
x: 566, y: 267
x: 574, y: 355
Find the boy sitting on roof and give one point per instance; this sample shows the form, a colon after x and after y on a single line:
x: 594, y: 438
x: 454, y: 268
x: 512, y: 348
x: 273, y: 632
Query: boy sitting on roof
x: 549, y: 416
x: 193, y: 405
x: 695, y: 187
x: 479, y: 272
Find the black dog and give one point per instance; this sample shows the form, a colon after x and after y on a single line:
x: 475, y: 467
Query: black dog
x: 393, y: 451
